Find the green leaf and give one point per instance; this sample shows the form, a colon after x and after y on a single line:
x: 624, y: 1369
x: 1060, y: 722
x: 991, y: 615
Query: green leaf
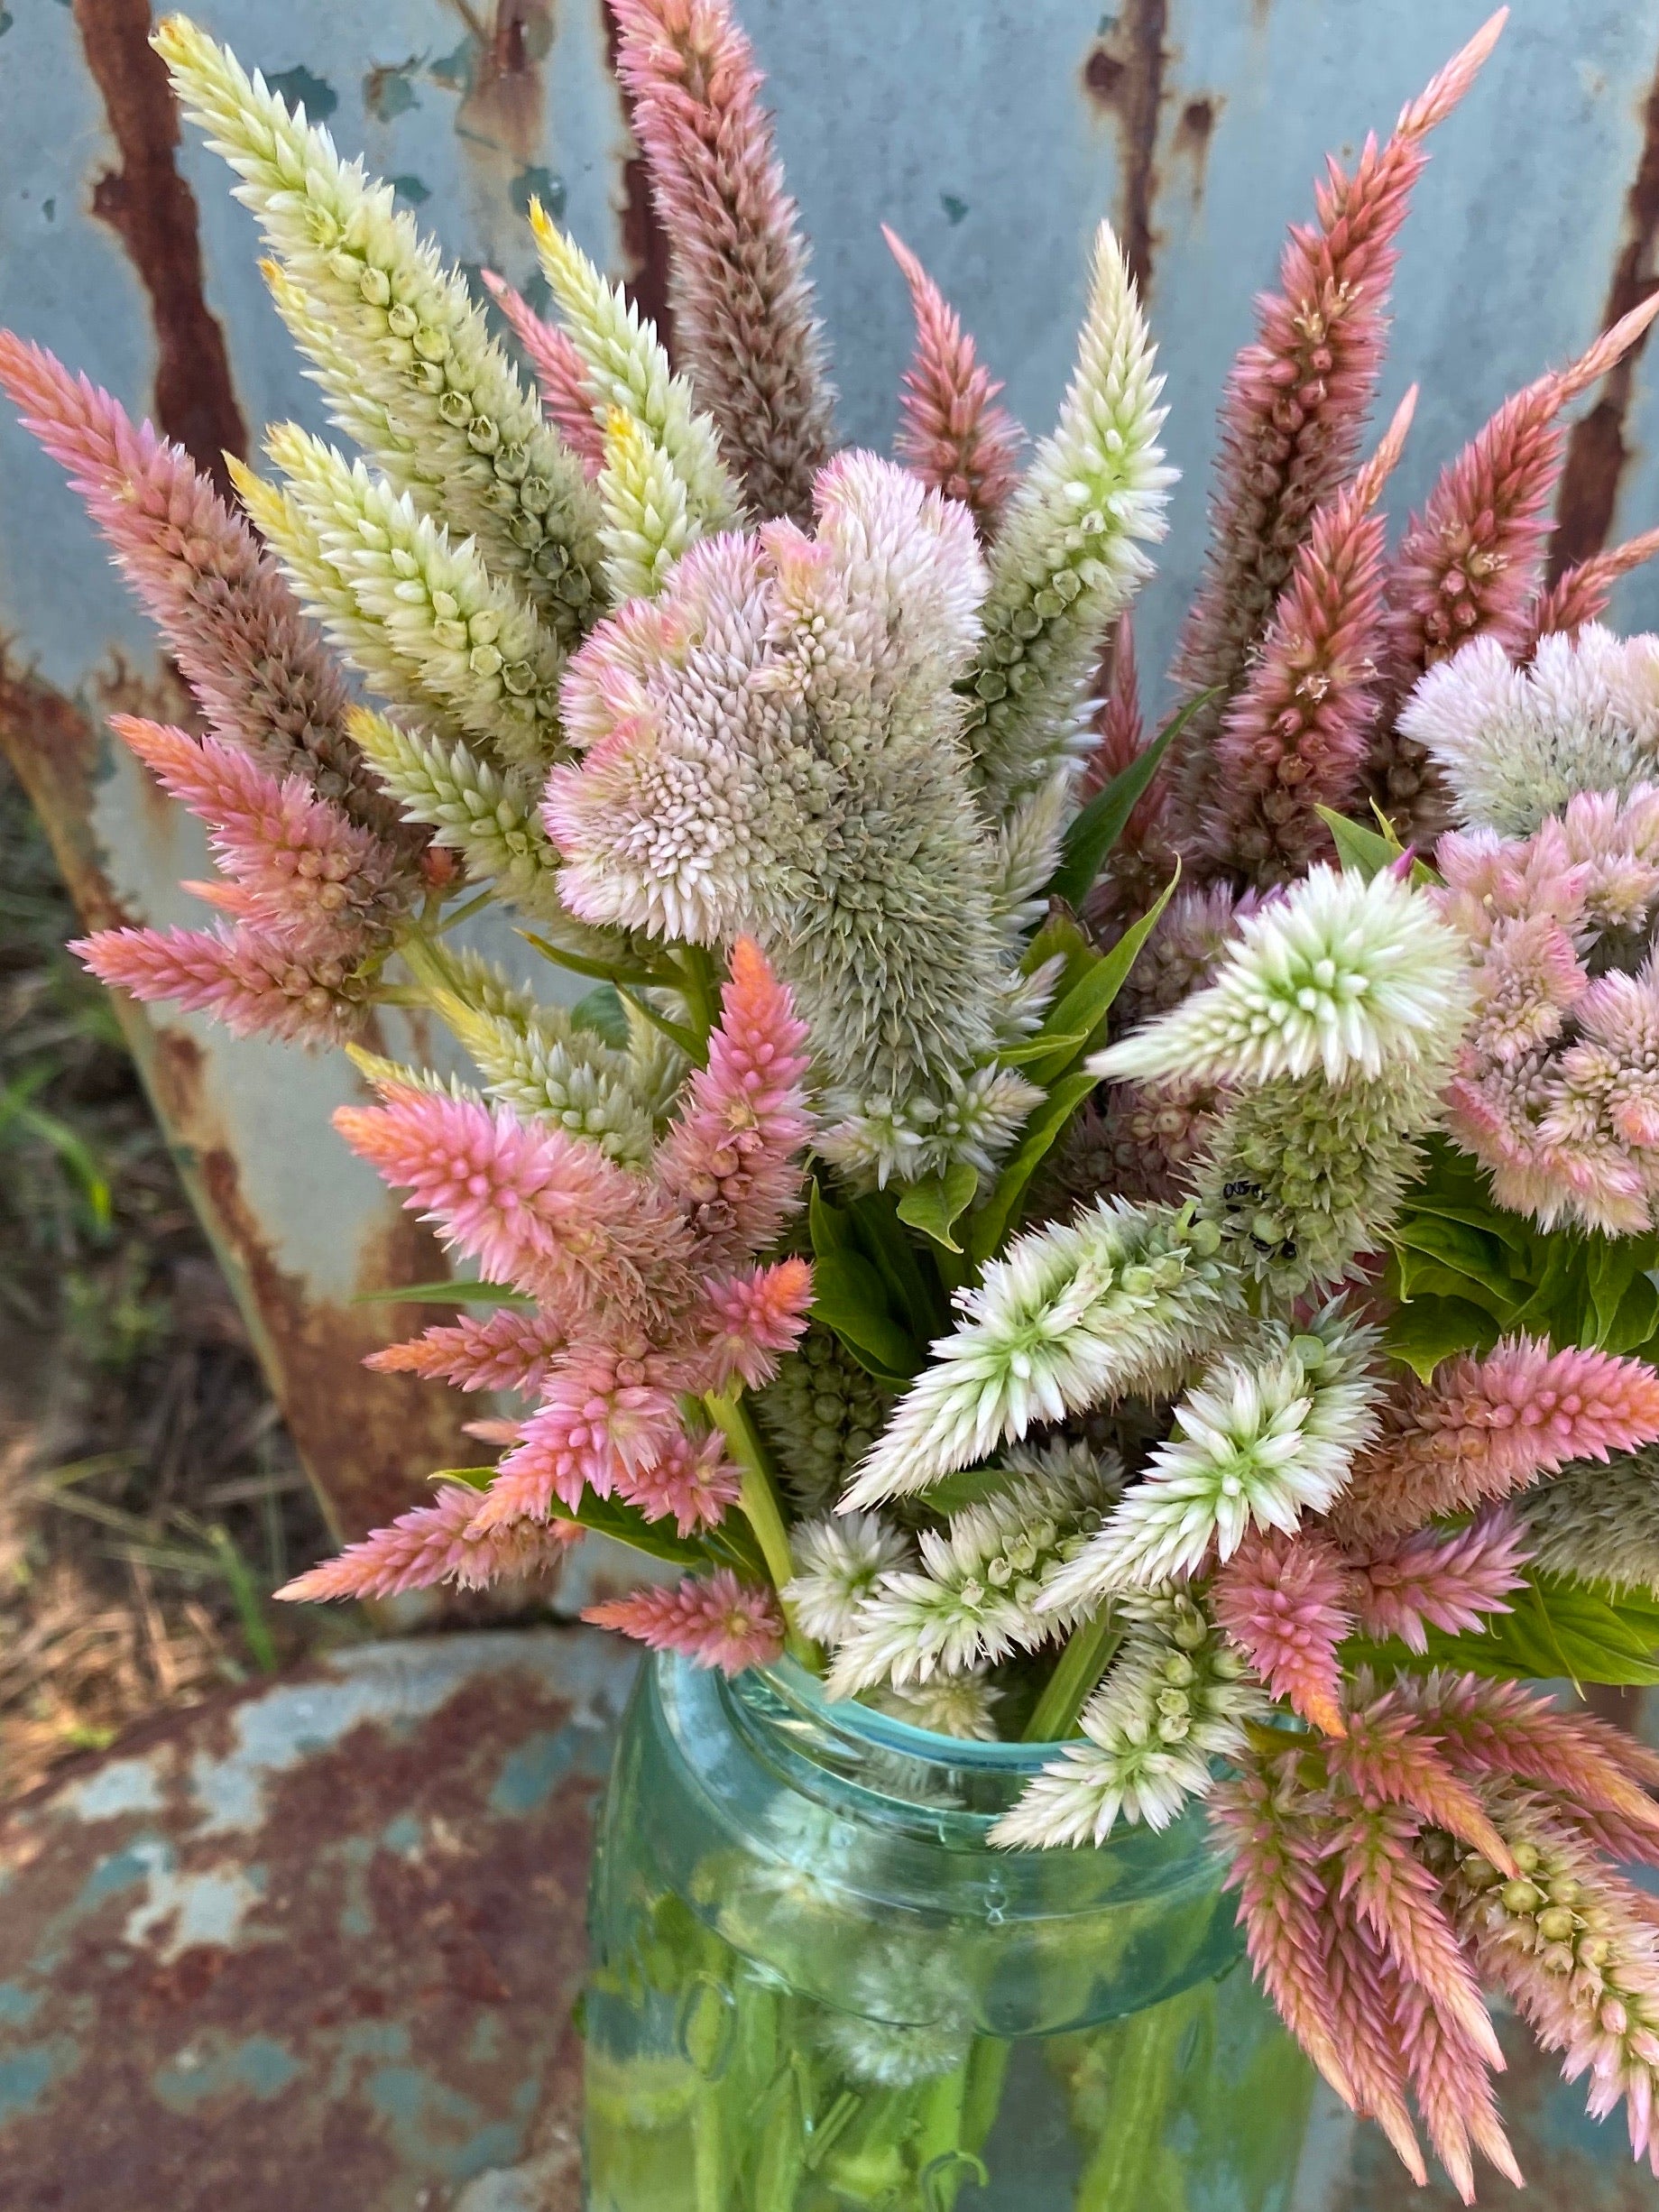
x: 1637, y: 1322
x: 603, y: 1012
x: 915, y: 1295
x: 1556, y: 1630
x: 1413, y: 1275
x: 1097, y: 829
x: 935, y: 1207
x: 1431, y: 1328
x: 1367, y: 851
x: 849, y: 1297
x: 830, y: 1229
x: 988, y: 1227
x: 1612, y: 1265
x: 458, y: 1293
x: 625, y: 1524
x: 1060, y: 937
x: 1072, y: 1024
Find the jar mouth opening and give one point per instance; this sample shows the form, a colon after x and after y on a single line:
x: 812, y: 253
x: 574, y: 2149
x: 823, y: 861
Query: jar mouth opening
x: 785, y: 1679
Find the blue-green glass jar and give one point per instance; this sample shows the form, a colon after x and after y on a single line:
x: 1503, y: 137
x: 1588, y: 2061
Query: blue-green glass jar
x: 816, y: 1986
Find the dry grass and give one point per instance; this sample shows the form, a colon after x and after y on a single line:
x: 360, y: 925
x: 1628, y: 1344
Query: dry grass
x: 150, y: 1500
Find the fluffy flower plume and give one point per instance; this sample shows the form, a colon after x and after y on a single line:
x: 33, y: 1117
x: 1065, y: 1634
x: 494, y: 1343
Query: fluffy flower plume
x: 1581, y: 593
x: 1258, y: 1441
x: 1598, y: 1522
x: 713, y: 1622
x: 560, y: 373
x: 737, y: 267
x: 1471, y: 560
x: 1348, y: 976
x: 434, y: 1544
x: 1295, y: 405
x: 401, y: 349
x: 254, y: 986
x: 1486, y: 1428
x: 1287, y: 1602
x: 981, y: 1589
x: 731, y: 1157
x: 1069, y: 557
x: 1116, y: 1301
x: 509, y: 1349
x: 1441, y: 1581
x: 839, y: 1561
x: 1174, y: 1699
x: 954, y: 436
x: 1294, y: 736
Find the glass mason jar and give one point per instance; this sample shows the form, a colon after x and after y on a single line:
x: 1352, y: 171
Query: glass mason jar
x: 816, y: 1986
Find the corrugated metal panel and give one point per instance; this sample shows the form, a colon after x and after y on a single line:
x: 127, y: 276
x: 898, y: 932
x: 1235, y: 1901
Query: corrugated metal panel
x: 993, y: 136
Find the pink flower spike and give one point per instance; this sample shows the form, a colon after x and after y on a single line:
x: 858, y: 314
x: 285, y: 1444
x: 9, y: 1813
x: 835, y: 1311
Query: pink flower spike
x: 1285, y: 1601
x: 1294, y: 738
x: 1442, y: 1581
x: 713, y: 1622
x: 1295, y: 408
x: 1453, y: 2089
x: 545, y: 1212
x: 1486, y: 1428
x: 750, y: 1321
x: 744, y: 326
x: 510, y: 1350
x: 433, y: 1543
x: 954, y: 436
x: 559, y: 371
x: 692, y: 1482
x: 1581, y: 593
x: 253, y: 984
x: 1366, y: 1988
x: 592, y: 1430
x: 730, y: 1160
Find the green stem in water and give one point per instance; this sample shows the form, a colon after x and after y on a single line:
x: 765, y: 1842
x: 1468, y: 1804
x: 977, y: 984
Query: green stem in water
x: 1085, y: 1660
x: 758, y: 1500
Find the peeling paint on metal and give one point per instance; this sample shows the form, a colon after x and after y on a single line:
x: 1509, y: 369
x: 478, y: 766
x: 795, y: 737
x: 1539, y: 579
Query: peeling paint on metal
x: 1193, y: 133
x: 325, y: 1958
x: 1124, y: 74
x: 1599, y: 452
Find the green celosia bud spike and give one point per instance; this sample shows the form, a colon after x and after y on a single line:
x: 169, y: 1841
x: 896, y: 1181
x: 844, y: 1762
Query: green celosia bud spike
x: 647, y: 525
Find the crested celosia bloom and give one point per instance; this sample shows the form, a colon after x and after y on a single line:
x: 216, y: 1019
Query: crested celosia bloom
x: 829, y: 1273
x: 718, y: 1622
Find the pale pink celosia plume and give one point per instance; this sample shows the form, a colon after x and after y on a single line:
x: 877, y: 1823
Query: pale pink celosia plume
x: 744, y: 326
x: 434, y: 1544
x: 1452, y: 2086
x: 1294, y: 737
x: 264, y: 676
x: 559, y: 373
x: 714, y: 1622
x: 1392, y: 1754
x: 599, y: 1421
x: 730, y: 1160
x: 954, y: 436
x: 1365, y: 1989
x: 509, y: 1349
x: 547, y: 1212
x: 1581, y: 593
x: 321, y: 883
x: 692, y: 1483
x: 1471, y: 561
x: 745, y: 1323
x: 1486, y: 1428
x: 1433, y: 1580
x: 1287, y: 1602
x: 1295, y: 403
x: 255, y: 987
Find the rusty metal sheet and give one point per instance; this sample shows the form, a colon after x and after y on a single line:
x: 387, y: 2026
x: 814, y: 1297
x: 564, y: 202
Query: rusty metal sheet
x: 314, y: 1945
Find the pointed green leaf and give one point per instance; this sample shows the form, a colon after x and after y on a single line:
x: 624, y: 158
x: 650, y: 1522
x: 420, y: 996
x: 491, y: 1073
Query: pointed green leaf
x: 935, y: 1207
x: 457, y: 1292
x: 601, y: 1010
x: 915, y: 1295
x: 1367, y: 851
x: 1431, y: 1328
x: 988, y: 1227
x: 1097, y: 829
x: 849, y: 1297
x: 1072, y: 1025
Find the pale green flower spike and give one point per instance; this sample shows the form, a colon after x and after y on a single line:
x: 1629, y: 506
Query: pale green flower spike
x: 1068, y: 558
x: 466, y: 440
x: 647, y: 523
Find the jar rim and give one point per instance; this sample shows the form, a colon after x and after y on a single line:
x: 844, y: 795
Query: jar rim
x: 787, y: 1679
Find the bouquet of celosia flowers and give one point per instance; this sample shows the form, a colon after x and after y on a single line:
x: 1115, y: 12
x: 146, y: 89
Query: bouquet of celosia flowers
x: 1195, y: 1326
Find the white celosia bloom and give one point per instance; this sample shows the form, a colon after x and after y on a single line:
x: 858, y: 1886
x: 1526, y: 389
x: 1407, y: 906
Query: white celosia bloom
x: 1176, y: 1698
x: 979, y: 1592
x: 838, y: 1562
x: 1345, y: 975
x: 1069, y: 556
x: 1258, y: 1441
x: 960, y: 1705
x: 1516, y: 744
x: 1118, y: 1300
x: 903, y: 2019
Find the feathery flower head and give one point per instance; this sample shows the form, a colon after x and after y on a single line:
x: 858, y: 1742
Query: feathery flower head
x: 560, y: 371
x: 743, y: 1324
x: 1581, y: 593
x: 1347, y: 976
x: 509, y: 1349
x: 714, y: 1621
x: 1597, y: 1522
x: 953, y: 435
x: 1435, y: 1581
x: 600, y: 1423
x: 960, y: 1705
x: 839, y: 1560
x: 430, y: 1545
x: 692, y: 1484
x: 1286, y: 1601
x: 256, y: 985
x: 1118, y: 1300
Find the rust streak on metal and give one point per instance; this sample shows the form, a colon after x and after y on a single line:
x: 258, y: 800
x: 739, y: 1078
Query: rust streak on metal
x: 151, y: 210
x: 1124, y: 73
x: 645, y: 241
x: 368, y: 1441
x: 1597, y: 452
x: 1193, y: 133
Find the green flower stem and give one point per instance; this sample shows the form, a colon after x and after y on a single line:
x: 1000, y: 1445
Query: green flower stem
x: 732, y: 1417
x: 697, y: 981
x: 1086, y: 1656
